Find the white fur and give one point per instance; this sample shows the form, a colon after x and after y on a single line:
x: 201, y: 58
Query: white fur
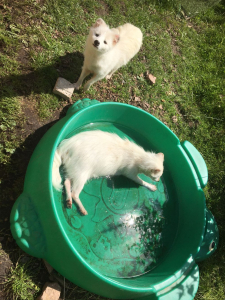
x: 93, y: 154
x: 56, y: 178
x: 108, y: 51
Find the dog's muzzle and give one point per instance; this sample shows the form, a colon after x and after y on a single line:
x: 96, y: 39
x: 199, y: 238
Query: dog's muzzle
x: 96, y: 43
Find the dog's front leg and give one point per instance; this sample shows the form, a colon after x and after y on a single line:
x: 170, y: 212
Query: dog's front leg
x: 138, y: 180
x: 111, y: 73
x: 95, y: 78
x: 85, y: 72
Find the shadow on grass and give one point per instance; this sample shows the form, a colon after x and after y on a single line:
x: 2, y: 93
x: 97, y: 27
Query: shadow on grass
x: 42, y: 80
x: 39, y: 81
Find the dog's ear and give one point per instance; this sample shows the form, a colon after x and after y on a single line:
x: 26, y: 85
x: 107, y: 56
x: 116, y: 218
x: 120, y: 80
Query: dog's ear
x: 161, y: 155
x: 155, y: 171
x: 116, y: 39
x: 99, y: 22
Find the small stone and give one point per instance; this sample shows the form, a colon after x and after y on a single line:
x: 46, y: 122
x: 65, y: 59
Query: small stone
x: 160, y: 106
x: 51, y: 291
x: 137, y: 99
x: 63, y: 88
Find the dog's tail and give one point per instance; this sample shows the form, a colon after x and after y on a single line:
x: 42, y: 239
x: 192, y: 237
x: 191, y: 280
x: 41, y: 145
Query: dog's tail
x: 56, y: 177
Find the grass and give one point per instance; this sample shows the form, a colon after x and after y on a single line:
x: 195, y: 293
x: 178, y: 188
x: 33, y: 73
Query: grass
x: 41, y: 40
x: 20, y: 285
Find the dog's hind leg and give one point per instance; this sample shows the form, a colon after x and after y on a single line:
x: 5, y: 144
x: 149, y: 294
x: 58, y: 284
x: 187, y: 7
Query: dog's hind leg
x: 85, y: 72
x: 76, y: 190
x: 67, y: 185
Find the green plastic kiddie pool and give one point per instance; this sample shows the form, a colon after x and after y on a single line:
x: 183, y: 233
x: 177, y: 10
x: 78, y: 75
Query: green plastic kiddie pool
x: 134, y: 243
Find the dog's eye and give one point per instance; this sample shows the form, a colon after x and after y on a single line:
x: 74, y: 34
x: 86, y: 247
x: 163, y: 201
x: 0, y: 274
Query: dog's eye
x: 105, y: 42
x: 97, y: 34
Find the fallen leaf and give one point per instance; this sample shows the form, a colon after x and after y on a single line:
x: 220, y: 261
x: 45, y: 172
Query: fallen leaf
x: 163, y: 100
x: 152, y: 78
x: 160, y: 106
x: 174, y: 119
x: 146, y: 105
x: 137, y: 99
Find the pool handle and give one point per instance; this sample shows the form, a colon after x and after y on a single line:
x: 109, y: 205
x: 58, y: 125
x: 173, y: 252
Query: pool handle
x: 197, y: 161
x: 81, y: 104
x: 26, y: 227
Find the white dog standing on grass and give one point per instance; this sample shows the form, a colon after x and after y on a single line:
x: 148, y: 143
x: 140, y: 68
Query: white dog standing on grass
x: 93, y: 154
x: 107, y: 50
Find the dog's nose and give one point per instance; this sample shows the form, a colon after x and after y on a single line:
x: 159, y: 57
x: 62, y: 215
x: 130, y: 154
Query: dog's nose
x: 96, y: 43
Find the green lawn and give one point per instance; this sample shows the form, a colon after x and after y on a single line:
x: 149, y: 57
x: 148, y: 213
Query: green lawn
x: 43, y: 39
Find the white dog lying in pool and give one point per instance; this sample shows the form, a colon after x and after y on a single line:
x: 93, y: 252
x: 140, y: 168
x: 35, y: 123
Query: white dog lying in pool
x: 93, y: 154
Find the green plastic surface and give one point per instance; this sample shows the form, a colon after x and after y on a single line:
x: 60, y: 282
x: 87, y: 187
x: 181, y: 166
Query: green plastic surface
x: 198, y: 163
x: 183, y: 289
x: 134, y: 243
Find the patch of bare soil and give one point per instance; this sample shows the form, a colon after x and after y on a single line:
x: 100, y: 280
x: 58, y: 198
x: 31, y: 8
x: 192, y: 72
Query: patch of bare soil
x: 5, y: 265
x: 32, y: 121
x: 104, y: 10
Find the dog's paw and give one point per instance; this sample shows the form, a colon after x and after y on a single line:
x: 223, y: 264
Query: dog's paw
x: 108, y: 77
x: 83, y: 211
x: 69, y: 203
x: 76, y: 86
x: 151, y: 187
